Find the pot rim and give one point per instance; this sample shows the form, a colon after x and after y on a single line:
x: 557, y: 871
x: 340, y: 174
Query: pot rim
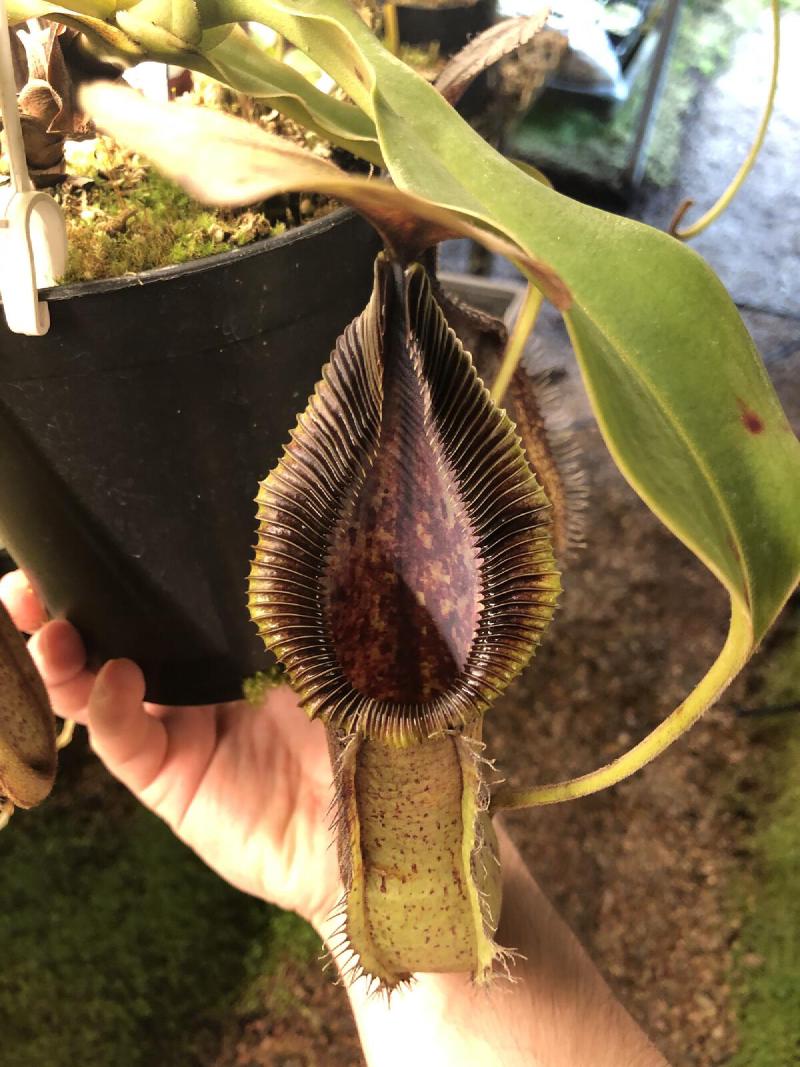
x: 75, y: 290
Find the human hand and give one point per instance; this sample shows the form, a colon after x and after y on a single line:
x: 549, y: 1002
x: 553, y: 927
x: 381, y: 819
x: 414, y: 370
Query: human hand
x: 248, y: 788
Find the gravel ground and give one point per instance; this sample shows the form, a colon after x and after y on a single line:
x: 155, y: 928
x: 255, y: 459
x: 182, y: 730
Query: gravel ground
x: 755, y: 245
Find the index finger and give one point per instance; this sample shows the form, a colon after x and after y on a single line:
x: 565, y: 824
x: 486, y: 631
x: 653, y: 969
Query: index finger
x: 24, y: 606
x: 60, y: 658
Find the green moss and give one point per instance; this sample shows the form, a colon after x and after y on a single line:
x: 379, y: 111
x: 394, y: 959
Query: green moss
x: 256, y: 686
x: 118, y: 945
x: 293, y: 944
x: 766, y: 981
x: 426, y: 60
x: 123, y: 217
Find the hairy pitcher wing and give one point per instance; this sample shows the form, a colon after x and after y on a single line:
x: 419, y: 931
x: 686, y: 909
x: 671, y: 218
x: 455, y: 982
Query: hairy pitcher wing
x: 404, y: 571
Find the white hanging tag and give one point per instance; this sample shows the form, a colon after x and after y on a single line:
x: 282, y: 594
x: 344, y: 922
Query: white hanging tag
x: 33, y: 237
x: 151, y: 79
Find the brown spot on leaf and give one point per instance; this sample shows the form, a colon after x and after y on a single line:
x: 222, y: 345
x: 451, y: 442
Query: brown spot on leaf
x: 751, y: 421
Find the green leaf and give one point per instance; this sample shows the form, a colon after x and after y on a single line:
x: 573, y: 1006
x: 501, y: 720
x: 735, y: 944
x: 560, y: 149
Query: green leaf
x: 229, y: 54
x: 681, y: 397
x: 20, y: 10
x: 239, y: 61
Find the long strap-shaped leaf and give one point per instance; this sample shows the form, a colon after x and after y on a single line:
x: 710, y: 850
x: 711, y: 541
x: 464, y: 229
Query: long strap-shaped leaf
x: 223, y: 160
x: 241, y: 62
x: 681, y: 397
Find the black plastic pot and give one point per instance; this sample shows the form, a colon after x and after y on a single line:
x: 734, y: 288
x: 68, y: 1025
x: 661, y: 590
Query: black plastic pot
x: 452, y: 25
x: 134, y: 434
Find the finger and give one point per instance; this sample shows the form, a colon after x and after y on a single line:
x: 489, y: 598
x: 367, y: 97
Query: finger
x: 159, y: 711
x: 24, y: 606
x: 60, y: 657
x: 191, y: 737
x: 131, y: 743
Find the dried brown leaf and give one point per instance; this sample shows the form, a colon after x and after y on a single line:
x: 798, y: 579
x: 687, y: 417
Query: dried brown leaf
x: 223, y: 160
x: 488, y: 48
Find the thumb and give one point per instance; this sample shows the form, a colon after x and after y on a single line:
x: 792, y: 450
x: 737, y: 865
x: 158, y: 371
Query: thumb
x: 131, y: 743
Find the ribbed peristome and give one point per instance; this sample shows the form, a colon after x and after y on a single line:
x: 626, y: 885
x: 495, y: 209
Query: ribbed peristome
x: 404, y: 571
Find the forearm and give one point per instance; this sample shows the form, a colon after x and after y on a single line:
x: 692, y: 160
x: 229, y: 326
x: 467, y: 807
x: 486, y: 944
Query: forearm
x: 558, y: 1011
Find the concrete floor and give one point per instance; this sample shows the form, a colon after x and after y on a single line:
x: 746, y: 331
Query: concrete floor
x: 755, y: 245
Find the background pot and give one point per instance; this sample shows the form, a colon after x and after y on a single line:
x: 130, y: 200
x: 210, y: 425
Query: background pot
x: 452, y: 24
x: 133, y: 437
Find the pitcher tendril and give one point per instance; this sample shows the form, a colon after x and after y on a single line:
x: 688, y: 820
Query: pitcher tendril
x: 685, y: 233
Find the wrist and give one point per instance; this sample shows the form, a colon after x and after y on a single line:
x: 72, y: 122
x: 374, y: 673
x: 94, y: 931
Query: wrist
x: 556, y: 1011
